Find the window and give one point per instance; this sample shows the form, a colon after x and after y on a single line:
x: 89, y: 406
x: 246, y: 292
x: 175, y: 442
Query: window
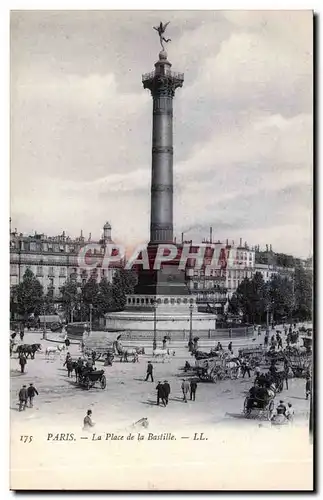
x: 62, y: 272
x: 32, y: 246
x: 50, y: 271
x: 14, y: 270
x: 39, y: 270
x: 195, y: 285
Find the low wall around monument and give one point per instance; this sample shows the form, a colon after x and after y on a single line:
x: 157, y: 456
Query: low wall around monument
x: 183, y: 335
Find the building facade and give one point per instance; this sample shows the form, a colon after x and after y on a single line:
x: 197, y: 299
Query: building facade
x: 215, y: 287
x: 54, y: 259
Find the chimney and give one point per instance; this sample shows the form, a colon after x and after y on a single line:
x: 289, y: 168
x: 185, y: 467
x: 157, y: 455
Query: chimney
x: 210, y: 234
x: 240, y: 242
x: 266, y: 247
x: 90, y: 235
x: 182, y: 238
x: 271, y: 249
x: 227, y: 242
x: 81, y: 233
x: 245, y: 244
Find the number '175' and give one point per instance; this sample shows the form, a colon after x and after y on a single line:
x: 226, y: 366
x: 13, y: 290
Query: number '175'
x: 26, y: 439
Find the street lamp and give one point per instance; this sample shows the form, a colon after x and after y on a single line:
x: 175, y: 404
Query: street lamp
x: 155, y: 324
x: 91, y: 307
x: 190, y: 342
x: 214, y: 313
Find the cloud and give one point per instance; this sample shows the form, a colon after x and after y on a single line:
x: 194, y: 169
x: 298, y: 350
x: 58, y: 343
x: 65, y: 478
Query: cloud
x: 81, y: 123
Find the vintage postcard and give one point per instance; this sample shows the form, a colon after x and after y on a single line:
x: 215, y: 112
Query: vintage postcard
x: 161, y: 257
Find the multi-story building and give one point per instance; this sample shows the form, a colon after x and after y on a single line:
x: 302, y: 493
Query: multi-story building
x: 268, y: 271
x: 54, y: 259
x: 214, y: 286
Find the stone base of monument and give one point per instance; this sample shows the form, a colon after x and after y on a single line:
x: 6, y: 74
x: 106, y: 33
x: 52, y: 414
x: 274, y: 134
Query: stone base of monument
x: 173, y: 316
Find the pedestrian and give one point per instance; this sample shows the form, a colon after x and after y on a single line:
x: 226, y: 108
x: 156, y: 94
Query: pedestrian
x: 160, y: 393
x: 290, y: 412
x: 281, y: 408
x: 68, y: 356
x: 266, y: 340
x: 149, y: 372
x: 166, y: 390
x: 185, y: 388
x: 246, y: 369
x: 67, y: 342
x: 230, y: 347
x: 193, y: 387
x: 285, y: 376
x: 308, y: 386
x: 22, y: 362
x: 93, y: 356
x: 257, y: 372
x: 69, y: 367
x: 87, y: 421
x: 23, y: 396
x: 31, y: 391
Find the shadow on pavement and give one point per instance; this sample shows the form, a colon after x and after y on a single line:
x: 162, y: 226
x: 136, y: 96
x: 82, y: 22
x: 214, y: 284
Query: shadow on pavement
x: 235, y: 415
x: 149, y: 402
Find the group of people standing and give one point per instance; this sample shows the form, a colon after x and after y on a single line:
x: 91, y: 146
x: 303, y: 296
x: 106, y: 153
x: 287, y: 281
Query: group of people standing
x: 25, y: 395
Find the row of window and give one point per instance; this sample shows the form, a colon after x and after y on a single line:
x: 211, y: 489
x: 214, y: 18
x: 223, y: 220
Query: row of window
x: 62, y: 271
x: 33, y: 246
x: 148, y: 301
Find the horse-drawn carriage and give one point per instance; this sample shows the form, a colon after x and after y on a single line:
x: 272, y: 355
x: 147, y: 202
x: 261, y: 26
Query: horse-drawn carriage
x: 88, y: 379
x: 260, y: 404
x: 255, y: 355
x: 211, y: 369
x: 99, y: 344
x: 300, y: 364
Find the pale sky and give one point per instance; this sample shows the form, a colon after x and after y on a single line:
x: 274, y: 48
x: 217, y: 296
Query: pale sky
x: 243, y: 131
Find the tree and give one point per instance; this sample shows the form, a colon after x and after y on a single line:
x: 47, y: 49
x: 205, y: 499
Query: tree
x: 303, y: 293
x: 281, y: 297
x: 48, y: 303
x: 252, y: 298
x: 123, y: 284
x: 29, y: 295
x: 90, y: 293
x: 105, y: 300
x: 70, y: 297
x: 233, y: 306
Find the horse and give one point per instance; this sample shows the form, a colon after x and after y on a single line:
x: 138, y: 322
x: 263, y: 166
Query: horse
x: 233, y: 368
x: 28, y: 349
x: 161, y: 353
x: 125, y: 352
x: 54, y: 350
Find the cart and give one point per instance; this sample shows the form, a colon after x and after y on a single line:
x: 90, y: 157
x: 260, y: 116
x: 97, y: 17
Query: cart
x: 259, y: 408
x: 89, y: 379
x: 254, y: 355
